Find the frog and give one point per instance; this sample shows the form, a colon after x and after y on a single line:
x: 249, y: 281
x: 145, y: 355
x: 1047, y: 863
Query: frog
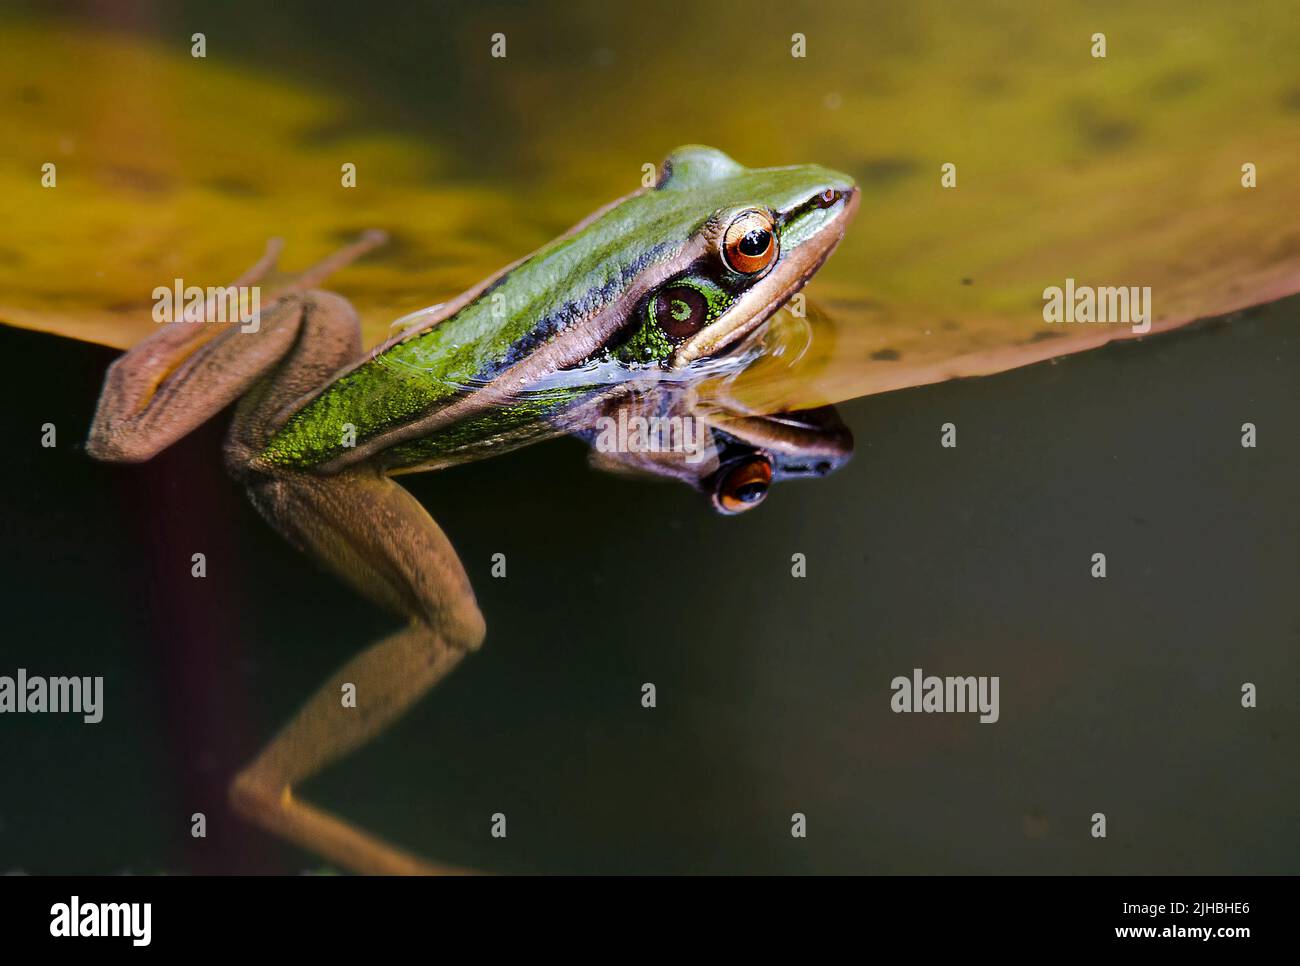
x: 655, y: 286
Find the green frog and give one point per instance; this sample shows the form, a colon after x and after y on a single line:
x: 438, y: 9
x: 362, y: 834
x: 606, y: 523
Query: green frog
x: 614, y: 316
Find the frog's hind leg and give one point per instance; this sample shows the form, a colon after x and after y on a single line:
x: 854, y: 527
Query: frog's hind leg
x: 361, y: 524
x: 185, y: 373
x: 378, y: 538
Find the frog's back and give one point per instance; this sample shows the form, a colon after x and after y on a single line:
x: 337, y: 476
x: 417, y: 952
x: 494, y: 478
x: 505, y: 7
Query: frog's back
x: 555, y: 289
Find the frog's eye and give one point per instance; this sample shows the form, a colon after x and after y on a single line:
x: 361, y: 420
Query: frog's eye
x: 749, y: 243
x: 680, y: 310
x: 743, y: 485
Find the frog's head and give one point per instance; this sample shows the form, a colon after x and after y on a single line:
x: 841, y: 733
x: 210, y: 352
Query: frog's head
x: 739, y: 243
x: 708, y: 254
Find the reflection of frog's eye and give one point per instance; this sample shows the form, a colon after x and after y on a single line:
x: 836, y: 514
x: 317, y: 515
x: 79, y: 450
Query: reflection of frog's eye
x: 749, y: 244
x: 743, y: 485
x: 679, y: 310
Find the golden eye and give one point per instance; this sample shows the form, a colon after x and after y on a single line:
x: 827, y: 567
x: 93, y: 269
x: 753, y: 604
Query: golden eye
x: 743, y: 485
x: 679, y: 310
x: 749, y: 243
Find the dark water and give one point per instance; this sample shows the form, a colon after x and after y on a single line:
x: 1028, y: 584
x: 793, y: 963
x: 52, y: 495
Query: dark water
x: 1118, y: 695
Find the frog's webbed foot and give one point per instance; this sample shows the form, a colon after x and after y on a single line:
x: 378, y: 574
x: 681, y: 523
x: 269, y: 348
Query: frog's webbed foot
x: 377, y: 537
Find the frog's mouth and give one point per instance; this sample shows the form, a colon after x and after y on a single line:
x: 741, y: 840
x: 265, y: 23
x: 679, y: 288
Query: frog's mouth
x: 809, y: 233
